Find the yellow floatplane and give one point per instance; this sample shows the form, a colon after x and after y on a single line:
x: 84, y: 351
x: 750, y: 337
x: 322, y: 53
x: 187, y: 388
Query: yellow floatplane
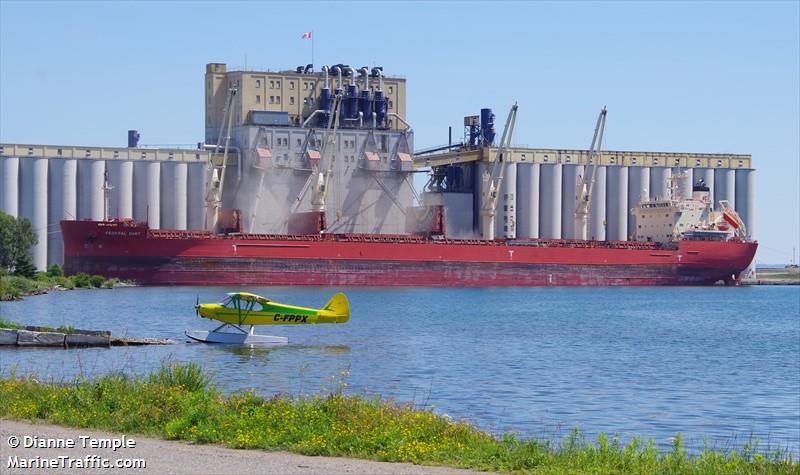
x: 243, y: 309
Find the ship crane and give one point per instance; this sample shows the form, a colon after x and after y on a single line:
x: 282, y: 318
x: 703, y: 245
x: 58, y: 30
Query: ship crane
x: 216, y: 179
x: 493, y: 179
x: 322, y: 174
x: 584, y: 199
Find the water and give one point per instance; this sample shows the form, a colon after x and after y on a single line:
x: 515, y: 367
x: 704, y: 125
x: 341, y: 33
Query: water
x: 720, y: 365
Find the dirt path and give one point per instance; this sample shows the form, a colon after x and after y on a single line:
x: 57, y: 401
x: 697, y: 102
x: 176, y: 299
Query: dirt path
x: 167, y: 457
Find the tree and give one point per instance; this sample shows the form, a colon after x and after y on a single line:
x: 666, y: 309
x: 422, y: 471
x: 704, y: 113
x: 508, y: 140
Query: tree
x: 16, y: 239
x: 24, y: 267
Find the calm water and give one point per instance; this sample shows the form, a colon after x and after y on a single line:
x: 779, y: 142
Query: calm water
x: 715, y: 363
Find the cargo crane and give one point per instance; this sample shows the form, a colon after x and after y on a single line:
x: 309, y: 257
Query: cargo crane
x: 584, y: 198
x: 320, y: 175
x: 492, y: 180
x: 217, y: 176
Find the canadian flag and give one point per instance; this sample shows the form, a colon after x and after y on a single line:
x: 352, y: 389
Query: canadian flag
x: 731, y: 217
x: 306, y: 36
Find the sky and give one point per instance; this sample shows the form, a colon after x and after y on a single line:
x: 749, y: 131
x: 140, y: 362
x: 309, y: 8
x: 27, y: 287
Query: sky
x: 712, y: 77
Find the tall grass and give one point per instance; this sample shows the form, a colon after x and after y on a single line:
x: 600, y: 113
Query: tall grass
x: 179, y: 402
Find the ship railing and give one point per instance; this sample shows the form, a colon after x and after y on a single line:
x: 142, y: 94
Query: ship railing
x: 179, y: 234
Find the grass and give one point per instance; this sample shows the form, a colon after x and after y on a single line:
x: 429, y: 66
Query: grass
x: 11, y: 325
x: 180, y: 402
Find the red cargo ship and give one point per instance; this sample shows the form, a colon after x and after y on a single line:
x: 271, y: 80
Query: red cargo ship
x: 130, y: 250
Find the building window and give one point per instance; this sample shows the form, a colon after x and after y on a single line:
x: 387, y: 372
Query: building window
x: 277, y: 84
x: 391, y: 104
x: 258, y: 82
x: 272, y: 99
x: 278, y: 99
x: 391, y: 89
x: 305, y: 86
x: 291, y: 100
x: 258, y: 99
x: 291, y: 85
x: 298, y: 142
x: 272, y: 84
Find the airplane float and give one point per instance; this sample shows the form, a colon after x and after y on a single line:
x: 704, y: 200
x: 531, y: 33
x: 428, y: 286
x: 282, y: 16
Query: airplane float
x: 243, y: 309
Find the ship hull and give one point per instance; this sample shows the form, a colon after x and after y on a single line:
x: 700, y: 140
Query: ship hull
x: 194, y: 258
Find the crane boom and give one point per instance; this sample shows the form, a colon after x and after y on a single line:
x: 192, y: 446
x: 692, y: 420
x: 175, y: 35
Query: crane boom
x: 492, y: 180
x: 322, y: 174
x: 584, y: 198
x: 216, y: 178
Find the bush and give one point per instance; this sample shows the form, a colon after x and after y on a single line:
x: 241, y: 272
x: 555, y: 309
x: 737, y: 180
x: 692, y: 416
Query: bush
x: 98, y: 281
x: 55, y: 271
x: 64, y: 282
x: 82, y: 280
x: 110, y: 283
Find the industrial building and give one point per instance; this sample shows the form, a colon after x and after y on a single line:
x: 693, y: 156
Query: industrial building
x: 539, y: 188
x: 278, y: 132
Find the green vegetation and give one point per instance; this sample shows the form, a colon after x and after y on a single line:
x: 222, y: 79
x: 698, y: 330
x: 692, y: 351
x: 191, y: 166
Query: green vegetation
x: 16, y: 239
x: 179, y: 402
x: 18, y: 276
x: 10, y: 325
x: 13, y: 287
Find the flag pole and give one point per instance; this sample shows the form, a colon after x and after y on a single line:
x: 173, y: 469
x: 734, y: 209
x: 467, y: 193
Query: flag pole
x: 312, y: 48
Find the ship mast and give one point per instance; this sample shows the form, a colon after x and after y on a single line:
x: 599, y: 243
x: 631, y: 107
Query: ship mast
x: 584, y: 198
x: 106, y: 193
x: 492, y: 180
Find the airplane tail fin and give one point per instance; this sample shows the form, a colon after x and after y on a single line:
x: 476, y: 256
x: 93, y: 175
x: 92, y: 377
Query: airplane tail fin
x: 339, y: 305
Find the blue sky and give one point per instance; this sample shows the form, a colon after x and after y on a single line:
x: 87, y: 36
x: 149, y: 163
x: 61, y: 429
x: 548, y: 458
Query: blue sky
x: 676, y: 76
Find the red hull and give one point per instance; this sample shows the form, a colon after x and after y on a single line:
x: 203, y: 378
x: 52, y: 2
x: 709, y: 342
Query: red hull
x: 131, y: 251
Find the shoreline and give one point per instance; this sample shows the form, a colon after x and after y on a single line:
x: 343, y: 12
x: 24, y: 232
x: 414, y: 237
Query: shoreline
x: 15, y: 288
x: 180, y: 402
